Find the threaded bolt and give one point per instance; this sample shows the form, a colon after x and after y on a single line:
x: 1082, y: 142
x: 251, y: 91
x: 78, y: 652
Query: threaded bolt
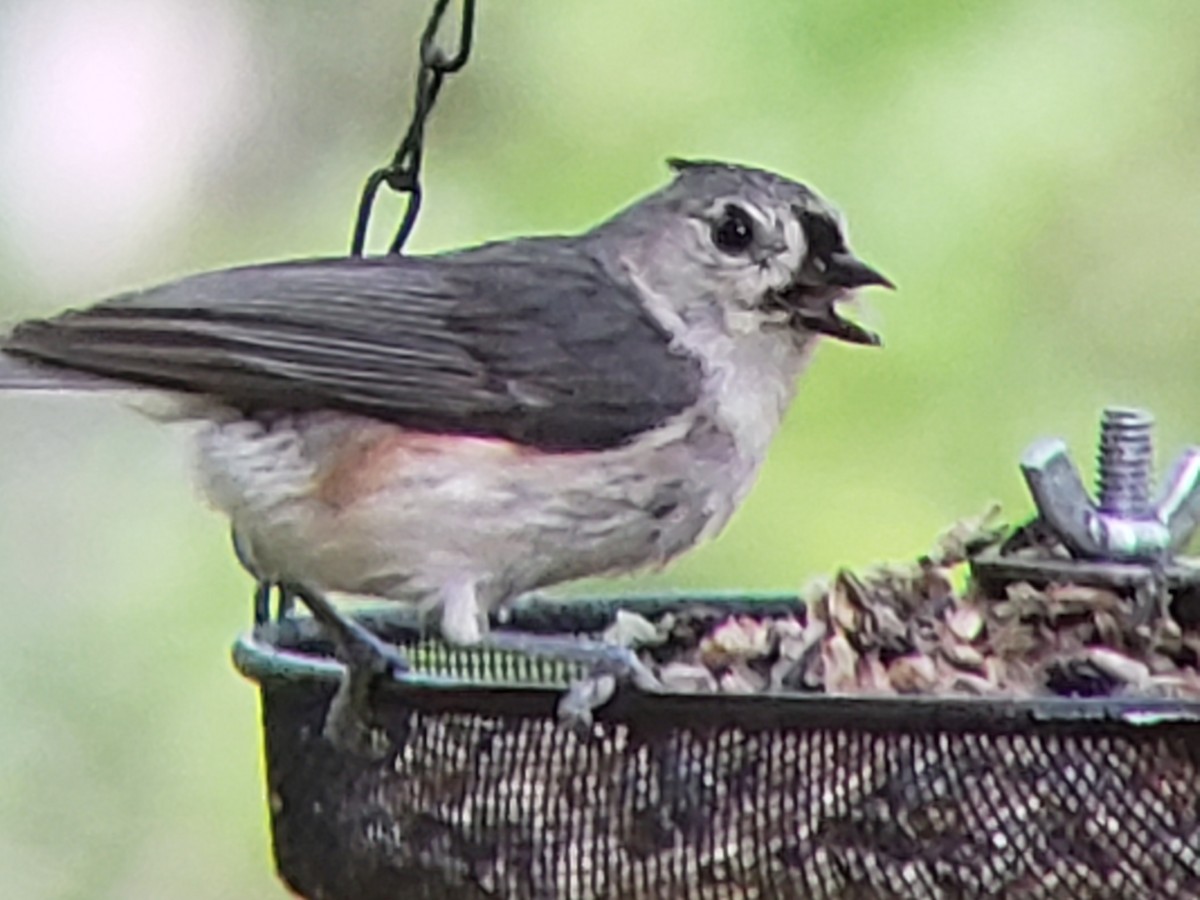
x: 1124, y: 524
x: 1125, y: 463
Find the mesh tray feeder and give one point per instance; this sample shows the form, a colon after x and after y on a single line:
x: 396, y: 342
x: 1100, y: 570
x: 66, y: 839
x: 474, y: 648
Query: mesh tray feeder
x: 479, y: 791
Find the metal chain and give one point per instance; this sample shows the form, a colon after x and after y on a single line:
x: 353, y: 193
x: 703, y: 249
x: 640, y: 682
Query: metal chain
x: 403, y: 173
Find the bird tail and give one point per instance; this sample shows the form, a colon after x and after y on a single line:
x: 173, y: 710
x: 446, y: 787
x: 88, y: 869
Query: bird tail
x: 22, y: 375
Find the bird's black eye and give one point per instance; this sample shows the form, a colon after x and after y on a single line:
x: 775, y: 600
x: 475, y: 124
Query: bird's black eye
x: 734, y: 231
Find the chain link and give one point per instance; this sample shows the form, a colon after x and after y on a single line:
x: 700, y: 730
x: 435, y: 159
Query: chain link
x: 403, y: 173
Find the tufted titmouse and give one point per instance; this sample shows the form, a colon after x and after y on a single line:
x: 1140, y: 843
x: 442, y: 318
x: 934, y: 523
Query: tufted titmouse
x: 459, y: 429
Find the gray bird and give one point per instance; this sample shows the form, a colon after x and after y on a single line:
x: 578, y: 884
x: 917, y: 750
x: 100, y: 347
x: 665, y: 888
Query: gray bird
x: 460, y: 429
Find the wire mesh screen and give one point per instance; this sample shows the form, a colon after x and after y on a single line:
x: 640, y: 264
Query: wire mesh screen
x: 481, y: 792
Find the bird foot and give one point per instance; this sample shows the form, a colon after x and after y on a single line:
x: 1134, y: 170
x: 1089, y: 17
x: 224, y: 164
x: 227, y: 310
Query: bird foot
x: 607, y: 665
x: 349, y: 721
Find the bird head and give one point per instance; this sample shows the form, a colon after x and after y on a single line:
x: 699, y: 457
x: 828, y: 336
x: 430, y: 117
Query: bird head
x: 748, y: 240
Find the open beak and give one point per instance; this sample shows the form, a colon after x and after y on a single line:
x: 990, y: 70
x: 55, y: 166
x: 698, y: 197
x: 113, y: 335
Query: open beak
x: 813, y: 299
x: 848, y: 271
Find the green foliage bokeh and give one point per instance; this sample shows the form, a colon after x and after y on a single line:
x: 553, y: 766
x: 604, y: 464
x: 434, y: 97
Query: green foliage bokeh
x: 1027, y: 172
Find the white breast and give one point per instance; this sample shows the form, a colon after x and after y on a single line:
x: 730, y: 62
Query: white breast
x: 751, y: 366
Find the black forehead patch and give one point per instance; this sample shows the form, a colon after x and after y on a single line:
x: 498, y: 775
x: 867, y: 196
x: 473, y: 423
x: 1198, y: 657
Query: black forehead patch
x: 678, y: 164
x: 821, y: 233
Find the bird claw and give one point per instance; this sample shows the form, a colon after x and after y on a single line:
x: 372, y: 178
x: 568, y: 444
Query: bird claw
x: 607, y: 666
x: 577, y: 706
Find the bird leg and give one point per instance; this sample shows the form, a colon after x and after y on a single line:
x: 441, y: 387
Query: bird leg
x: 348, y: 723
x: 285, y: 603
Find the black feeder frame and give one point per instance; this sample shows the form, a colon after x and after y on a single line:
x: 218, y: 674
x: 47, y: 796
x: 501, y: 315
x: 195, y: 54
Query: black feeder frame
x: 479, y: 791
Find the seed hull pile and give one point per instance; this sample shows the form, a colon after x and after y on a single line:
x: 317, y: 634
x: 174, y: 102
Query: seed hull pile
x: 927, y: 629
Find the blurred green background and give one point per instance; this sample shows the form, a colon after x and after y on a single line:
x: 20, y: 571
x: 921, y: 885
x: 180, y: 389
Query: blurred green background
x: 1027, y: 172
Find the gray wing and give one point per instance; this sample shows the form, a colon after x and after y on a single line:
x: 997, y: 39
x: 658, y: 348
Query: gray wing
x: 528, y: 341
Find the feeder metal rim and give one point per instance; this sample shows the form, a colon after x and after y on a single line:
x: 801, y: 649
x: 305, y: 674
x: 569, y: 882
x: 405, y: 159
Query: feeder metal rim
x: 259, y: 659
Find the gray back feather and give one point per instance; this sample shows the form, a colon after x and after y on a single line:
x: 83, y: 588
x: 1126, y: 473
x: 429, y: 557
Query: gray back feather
x: 528, y: 340
x: 25, y: 375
